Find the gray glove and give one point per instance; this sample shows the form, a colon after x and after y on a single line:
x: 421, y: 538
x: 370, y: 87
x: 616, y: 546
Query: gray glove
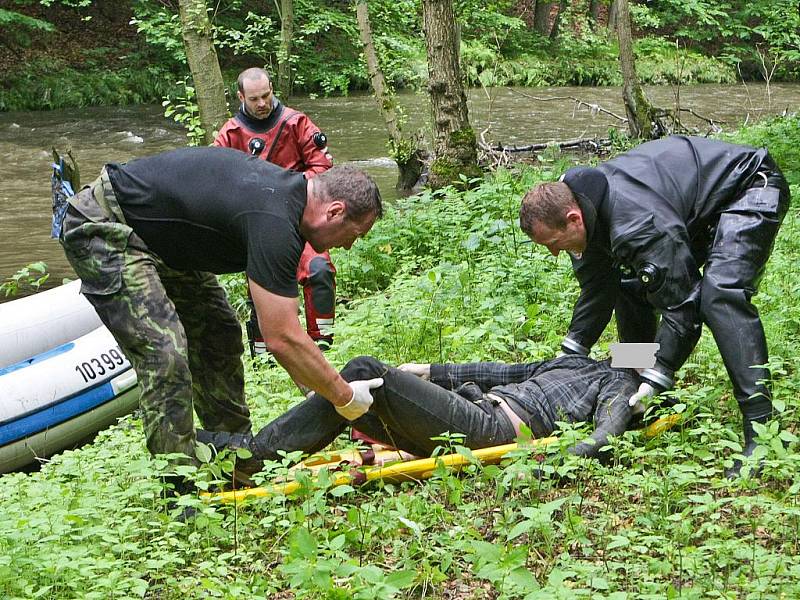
x: 361, y: 401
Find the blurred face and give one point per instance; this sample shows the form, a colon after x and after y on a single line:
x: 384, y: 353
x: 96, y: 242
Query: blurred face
x: 572, y: 238
x: 257, y: 97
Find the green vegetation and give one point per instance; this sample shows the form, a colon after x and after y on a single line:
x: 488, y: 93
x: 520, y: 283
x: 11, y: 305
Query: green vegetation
x: 29, y: 278
x: 48, y: 85
x: 80, y: 52
x: 448, y: 276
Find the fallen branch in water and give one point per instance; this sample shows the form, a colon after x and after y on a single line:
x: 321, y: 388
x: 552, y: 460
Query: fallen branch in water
x: 500, y: 155
x: 678, y: 126
x: 588, y: 144
x: 594, y: 109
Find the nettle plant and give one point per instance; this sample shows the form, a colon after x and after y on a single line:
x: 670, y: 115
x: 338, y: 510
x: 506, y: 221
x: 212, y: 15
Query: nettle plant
x: 29, y: 278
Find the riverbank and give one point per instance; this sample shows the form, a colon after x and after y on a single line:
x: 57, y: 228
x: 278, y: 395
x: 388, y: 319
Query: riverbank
x: 49, y: 83
x: 116, y: 53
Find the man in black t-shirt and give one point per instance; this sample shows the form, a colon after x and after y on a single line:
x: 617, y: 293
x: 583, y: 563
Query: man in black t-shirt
x: 146, y: 239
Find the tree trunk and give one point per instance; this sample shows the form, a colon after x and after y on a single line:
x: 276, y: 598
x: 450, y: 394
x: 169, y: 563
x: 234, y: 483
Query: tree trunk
x: 612, y: 15
x: 641, y: 116
x: 204, y: 66
x: 455, y: 148
x: 595, y: 11
x: 285, y: 50
x: 557, y: 20
x: 541, y: 19
x: 405, y: 149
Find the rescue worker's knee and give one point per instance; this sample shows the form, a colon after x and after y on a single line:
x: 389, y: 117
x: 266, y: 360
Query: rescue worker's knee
x: 717, y: 292
x: 319, y: 267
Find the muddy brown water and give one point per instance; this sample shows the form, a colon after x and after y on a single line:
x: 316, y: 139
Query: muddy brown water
x: 355, y: 131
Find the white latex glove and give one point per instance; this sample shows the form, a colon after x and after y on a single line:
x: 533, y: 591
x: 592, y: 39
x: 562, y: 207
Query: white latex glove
x: 423, y: 371
x: 637, y: 400
x: 361, y: 400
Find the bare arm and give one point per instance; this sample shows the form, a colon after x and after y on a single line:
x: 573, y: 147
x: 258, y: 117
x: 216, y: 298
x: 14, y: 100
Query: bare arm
x: 294, y: 350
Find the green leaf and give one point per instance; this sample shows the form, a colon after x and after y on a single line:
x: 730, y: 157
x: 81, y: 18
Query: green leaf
x: 519, y: 529
x: 472, y: 243
x: 532, y: 310
x: 524, y: 580
x: 203, y: 453
x: 599, y: 583
x: 401, y: 579
x: 412, y: 525
x: 778, y: 447
x: 338, y: 542
x: 303, y: 543
x: 618, y: 541
x: 342, y: 490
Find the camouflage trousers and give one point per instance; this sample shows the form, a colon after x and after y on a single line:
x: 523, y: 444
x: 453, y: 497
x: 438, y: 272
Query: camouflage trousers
x: 176, y: 327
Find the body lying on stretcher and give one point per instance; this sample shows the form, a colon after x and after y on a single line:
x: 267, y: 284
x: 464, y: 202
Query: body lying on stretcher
x: 487, y: 404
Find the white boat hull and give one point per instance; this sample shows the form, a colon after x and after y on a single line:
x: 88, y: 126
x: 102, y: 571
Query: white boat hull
x: 55, y: 399
x: 34, y: 324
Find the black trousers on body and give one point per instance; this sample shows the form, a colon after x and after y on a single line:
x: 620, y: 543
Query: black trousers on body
x: 406, y: 413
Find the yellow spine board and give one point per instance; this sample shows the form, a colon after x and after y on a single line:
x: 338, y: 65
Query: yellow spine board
x: 411, y: 470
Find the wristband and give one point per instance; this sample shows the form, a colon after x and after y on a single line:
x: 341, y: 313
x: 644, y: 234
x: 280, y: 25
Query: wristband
x: 570, y: 346
x: 660, y: 381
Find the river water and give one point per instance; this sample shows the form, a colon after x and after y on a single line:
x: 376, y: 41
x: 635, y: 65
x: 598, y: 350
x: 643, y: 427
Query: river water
x: 355, y: 131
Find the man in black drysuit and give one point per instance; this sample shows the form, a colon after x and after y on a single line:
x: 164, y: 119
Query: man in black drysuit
x: 486, y: 402
x: 640, y: 226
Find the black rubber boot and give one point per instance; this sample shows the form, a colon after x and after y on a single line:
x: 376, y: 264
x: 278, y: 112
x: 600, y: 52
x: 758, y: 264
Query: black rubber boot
x: 179, y: 486
x: 243, y: 469
x: 749, y: 445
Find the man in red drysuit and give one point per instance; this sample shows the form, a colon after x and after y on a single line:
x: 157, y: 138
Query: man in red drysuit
x: 264, y: 127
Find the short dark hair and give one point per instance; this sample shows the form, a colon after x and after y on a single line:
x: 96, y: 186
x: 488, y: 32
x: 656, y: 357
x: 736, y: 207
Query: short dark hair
x: 546, y: 203
x: 355, y: 188
x: 251, y: 73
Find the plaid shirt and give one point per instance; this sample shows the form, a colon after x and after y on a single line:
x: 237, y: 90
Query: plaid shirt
x: 569, y: 388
